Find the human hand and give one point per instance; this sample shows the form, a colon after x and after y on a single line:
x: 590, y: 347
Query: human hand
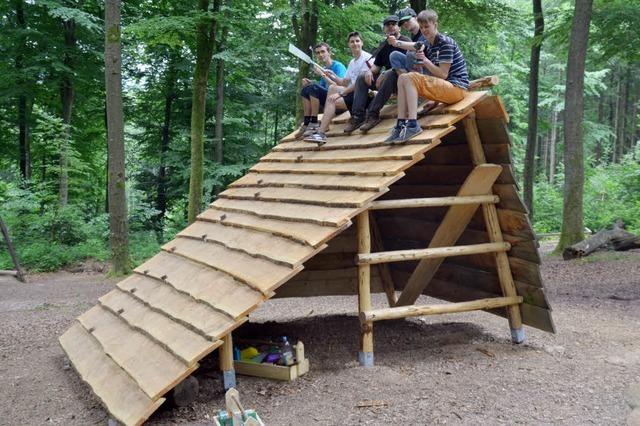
x: 392, y: 40
x: 381, y: 79
x: 420, y: 56
x: 368, y: 78
x: 334, y: 97
x: 305, y: 82
x: 319, y: 71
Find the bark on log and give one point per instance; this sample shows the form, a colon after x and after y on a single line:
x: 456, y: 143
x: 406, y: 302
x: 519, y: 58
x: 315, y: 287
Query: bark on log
x: 609, y: 239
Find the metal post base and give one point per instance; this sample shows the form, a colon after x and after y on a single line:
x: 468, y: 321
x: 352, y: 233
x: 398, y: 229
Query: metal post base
x: 365, y: 359
x: 229, y: 379
x: 517, y: 335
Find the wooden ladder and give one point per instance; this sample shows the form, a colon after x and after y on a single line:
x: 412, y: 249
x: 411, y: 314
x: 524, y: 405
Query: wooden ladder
x: 476, y: 191
x: 17, y: 272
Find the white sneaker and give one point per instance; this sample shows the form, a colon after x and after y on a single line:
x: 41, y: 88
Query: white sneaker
x: 311, y: 129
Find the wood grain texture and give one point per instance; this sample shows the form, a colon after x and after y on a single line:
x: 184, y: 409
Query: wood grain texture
x: 259, y: 274
x: 262, y: 245
x: 197, y: 316
x: 183, y: 343
x: 215, y: 288
x: 318, y: 197
x: 304, y: 233
x: 154, y: 369
x: 312, y: 181
x: 361, y: 168
x: 117, y: 391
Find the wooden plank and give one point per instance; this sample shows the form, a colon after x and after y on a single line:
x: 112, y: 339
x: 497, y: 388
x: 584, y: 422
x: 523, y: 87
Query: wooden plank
x: 183, y: 343
x: 411, y: 203
x: 305, y: 233
x: 457, y: 217
x: 491, y: 107
x: 450, y: 174
x: 466, y: 104
x: 431, y: 253
x: 341, y: 118
x: 531, y: 315
x: 217, y: 289
x: 154, y: 369
x: 311, y: 181
x: 494, y: 131
x: 401, y: 231
x: 488, y: 81
x: 253, y: 243
x: 382, y: 153
x: 451, y: 308
x: 115, y: 389
x: 338, y: 282
x: 260, y: 274
x: 161, y: 297
x: 318, y: 197
x: 459, y: 154
x: 362, y: 168
x: 325, y: 216
x: 361, y: 140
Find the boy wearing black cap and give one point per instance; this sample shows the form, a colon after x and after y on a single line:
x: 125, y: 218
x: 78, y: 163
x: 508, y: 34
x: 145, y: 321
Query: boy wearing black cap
x: 407, y: 21
x: 386, y: 84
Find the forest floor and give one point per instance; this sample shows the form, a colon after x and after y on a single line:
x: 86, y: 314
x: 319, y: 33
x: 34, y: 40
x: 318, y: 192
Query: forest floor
x: 459, y: 369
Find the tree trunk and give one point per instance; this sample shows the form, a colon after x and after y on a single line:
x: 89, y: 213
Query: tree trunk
x: 219, y: 131
x: 67, y: 93
x: 169, y: 97
x: 23, y: 103
x: 532, y: 133
x: 621, y: 115
x: 118, y: 235
x: 617, y: 239
x: 305, y: 27
x: 572, y: 213
x: 552, y: 145
x: 205, y: 38
x: 598, y: 149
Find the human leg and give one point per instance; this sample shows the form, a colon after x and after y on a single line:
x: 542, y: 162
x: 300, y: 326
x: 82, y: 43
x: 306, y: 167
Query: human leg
x: 360, y: 101
x: 407, y: 125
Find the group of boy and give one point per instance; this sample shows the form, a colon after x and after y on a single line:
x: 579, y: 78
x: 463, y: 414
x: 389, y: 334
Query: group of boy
x: 427, y: 65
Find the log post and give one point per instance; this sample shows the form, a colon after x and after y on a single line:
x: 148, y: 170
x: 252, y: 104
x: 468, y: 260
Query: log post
x: 226, y: 363
x: 492, y: 224
x: 365, y: 355
x: 5, y: 232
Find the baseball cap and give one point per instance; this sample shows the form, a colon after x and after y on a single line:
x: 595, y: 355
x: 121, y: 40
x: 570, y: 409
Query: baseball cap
x: 406, y: 14
x: 390, y: 18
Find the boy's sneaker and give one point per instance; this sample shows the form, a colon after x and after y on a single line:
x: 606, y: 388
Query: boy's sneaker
x: 319, y: 137
x: 394, y: 135
x: 300, y: 133
x: 353, y: 124
x: 371, y: 122
x: 408, y: 133
x: 311, y: 129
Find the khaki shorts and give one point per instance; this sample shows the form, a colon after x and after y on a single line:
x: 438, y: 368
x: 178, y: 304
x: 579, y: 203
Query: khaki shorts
x: 436, y: 89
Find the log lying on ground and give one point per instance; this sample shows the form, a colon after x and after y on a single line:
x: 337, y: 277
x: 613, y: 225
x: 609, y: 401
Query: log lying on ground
x: 609, y: 239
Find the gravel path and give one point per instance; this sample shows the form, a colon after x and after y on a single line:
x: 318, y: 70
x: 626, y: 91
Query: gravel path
x: 458, y: 369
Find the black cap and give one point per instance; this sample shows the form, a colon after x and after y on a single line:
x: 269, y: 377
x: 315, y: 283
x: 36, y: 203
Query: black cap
x: 390, y: 18
x: 406, y: 14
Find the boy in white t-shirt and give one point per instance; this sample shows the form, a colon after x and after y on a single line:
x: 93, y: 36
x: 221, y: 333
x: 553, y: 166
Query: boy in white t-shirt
x: 340, y: 96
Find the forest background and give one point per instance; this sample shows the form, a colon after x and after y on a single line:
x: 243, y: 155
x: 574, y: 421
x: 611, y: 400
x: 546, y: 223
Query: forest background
x: 53, y: 142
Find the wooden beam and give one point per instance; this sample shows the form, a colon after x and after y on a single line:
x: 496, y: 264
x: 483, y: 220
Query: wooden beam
x: 495, y: 234
x: 365, y: 357
x: 480, y: 83
x: 19, y: 272
x: 430, y: 253
x: 383, y: 269
x: 415, y: 311
x: 433, y: 202
x: 226, y: 363
x: 455, y: 221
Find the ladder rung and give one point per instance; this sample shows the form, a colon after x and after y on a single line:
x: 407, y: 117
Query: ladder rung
x: 430, y: 253
x: 433, y: 202
x: 449, y: 308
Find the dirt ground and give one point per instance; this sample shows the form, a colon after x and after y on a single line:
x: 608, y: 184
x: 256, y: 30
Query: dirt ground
x: 459, y: 369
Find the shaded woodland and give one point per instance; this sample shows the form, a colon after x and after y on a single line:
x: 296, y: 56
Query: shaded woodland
x: 208, y: 88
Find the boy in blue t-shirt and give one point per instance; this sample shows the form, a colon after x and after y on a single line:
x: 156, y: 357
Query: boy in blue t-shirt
x: 314, y: 94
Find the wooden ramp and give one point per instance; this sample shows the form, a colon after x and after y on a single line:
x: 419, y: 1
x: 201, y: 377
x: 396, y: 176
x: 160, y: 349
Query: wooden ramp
x: 284, y: 230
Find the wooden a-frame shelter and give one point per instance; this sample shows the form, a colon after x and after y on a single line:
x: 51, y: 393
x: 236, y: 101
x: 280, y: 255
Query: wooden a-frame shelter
x: 439, y: 215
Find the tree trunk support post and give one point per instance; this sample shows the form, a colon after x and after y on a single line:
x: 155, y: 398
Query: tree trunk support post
x: 19, y: 273
x: 226, y: 363
x: 365, y: 355
x: 495, y: 234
